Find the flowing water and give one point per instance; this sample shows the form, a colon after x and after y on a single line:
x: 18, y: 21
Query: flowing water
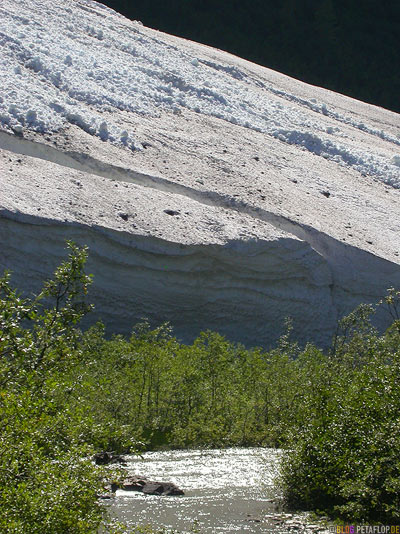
x: 226, y: 491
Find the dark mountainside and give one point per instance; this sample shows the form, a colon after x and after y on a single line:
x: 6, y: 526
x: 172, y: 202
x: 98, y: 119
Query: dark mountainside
x: 347, y: 46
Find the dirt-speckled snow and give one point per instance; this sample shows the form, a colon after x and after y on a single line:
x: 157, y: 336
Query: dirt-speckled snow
x: 212, y: 192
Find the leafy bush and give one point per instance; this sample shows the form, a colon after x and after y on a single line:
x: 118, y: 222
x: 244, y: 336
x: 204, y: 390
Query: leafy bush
x: 152, y: 389
x: 46, y: 484
x: 345, y: 458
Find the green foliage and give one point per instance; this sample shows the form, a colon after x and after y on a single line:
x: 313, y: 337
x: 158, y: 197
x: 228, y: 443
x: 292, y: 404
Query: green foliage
x: 337, y: 414
x: 64, y: 395
x: 344, y: 459
x: 46, y: 484
x: 154, y: 390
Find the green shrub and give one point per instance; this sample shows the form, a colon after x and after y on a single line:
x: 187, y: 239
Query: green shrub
x: 46, y: 486
x: 344, y: 459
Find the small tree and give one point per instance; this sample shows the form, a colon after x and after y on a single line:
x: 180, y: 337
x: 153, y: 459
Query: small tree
x: 46, y: 485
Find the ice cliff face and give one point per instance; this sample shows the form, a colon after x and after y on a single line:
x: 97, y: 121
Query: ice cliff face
x: 212, y: 192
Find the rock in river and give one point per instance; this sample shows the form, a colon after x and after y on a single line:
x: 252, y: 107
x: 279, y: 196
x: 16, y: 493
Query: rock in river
x: 150, y: 487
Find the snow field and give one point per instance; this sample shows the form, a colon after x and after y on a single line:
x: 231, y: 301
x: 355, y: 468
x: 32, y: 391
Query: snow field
x: 58, y: 68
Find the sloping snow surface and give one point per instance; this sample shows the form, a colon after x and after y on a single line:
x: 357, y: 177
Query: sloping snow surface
x: 213, y: 193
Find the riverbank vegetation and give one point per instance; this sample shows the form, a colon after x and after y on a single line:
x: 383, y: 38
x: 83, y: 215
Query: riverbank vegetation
x: 65, y: 394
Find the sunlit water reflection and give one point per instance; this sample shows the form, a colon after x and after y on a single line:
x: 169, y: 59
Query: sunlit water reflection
x: 226, y: 491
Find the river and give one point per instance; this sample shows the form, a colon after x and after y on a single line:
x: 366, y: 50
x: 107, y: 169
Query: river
x: 226, y: 491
